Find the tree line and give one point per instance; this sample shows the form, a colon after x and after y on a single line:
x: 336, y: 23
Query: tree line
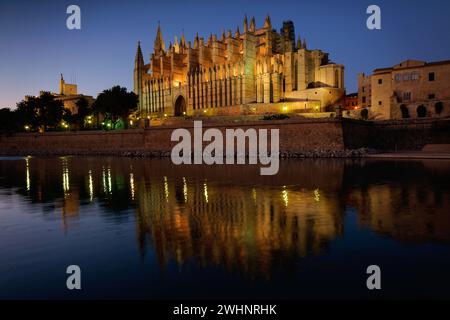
x: 46, y: 112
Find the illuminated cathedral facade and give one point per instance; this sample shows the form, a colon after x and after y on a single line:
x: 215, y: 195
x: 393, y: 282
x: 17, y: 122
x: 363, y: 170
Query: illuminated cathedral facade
x: 258, y: 70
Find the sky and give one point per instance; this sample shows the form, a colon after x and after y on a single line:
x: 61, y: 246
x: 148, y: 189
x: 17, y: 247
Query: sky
x: 36, y: 46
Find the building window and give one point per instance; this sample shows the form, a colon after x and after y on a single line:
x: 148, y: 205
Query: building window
x: 406, y: 96
x: 398, y: 77
x: 431, y: 76
x: 431, y: 96
x: 380, y: 81
x: 406, y: 77
x: 380, y: 103
x: 363, y: 99
x: 363, y: 89
x: 414, y: 76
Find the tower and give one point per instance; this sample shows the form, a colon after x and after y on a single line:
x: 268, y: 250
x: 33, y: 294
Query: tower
x: 61, y: 85
x: 138, y: 72
x: 249, y: 59
x: 158, y: 45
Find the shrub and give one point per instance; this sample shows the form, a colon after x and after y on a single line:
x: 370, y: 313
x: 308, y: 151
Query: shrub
x: 280, y: 116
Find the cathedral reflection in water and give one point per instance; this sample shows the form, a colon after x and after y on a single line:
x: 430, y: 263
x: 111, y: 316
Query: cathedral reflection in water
x: 230, y: 216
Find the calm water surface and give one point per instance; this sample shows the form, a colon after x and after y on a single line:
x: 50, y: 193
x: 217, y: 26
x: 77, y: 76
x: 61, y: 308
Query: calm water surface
x: 142, y: 228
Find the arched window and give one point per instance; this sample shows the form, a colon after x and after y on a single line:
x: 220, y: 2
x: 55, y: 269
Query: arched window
x: 405, y: 111
x: 421, y: 111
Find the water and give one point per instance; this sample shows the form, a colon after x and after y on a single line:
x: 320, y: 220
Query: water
x: 142, y: 228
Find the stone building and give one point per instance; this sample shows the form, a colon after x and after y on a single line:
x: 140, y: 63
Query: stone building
x: 410, y: 89
x: 236, y: 73
x: 68, y: 94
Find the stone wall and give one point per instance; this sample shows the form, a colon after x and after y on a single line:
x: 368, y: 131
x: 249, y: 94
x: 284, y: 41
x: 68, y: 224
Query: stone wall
x: 395, y: 135
x: 296, y: 136
x: 304, y: 137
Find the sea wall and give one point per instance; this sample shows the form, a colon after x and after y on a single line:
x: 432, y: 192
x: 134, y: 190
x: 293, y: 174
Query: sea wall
x: 298, y: 137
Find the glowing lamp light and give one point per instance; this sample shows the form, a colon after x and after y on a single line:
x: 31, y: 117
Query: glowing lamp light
x: 204, y: 111
x: 285, y: 108
x: 165, y: 114
x: 184, y: 112
x: 131, y: 122
x: 27, y: 127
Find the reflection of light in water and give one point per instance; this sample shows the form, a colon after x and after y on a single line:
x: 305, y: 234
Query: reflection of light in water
x: 132, y: 185
x: 205, y: 192
x: 109, y: 181
x: 91, y: 187
x: 28, y: 182
x: 66, y: 183
x: 317, y: 195
x: 254, y: 194
x: 104, y: 179
x: 166, y: 189
x: 285, y: 196
x: 185, y: 190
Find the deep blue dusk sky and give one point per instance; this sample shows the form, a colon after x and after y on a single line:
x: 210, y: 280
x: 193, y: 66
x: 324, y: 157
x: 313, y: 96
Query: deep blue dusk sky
x: 36, y: 46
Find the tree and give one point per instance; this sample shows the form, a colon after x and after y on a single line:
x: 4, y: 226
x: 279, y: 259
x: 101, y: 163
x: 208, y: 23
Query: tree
x: 116, y: 103
x: 405, y: 111
x: 27, y: 114
x: 40, y: 112
x: 83, y: 111
x: 421, y: 111
x: 438, y: 107
x: 7, y: 120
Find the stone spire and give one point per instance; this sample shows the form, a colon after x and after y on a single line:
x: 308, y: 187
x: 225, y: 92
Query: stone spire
x: 267, y: 22
x: 196, y: 41
x: 237, y: 34
x: 299, y: 42
x: 138, y: 72
x: 223, y: 36
x: 252, y: 25
x: 182, y: 40
x: 304, y: 44
x: 245, y: 24
x: 139, y: 59
x: 159, y: 45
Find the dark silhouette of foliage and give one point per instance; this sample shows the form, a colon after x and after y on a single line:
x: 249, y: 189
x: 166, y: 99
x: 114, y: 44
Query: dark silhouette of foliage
x: 116, y: 102
x: 8, y: 121
x: 83, y: 111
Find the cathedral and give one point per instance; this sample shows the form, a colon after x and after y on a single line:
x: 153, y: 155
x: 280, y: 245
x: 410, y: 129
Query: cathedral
x: 256, y: 71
